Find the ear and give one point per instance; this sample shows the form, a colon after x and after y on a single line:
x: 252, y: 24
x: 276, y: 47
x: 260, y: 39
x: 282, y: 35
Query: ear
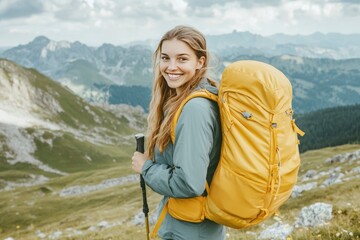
x: 200, y: 62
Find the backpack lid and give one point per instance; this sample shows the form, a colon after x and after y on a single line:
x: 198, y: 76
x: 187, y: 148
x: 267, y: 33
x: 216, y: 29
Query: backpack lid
x: 261, y: 82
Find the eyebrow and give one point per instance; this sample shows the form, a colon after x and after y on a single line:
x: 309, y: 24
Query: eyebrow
x: 181, y: 54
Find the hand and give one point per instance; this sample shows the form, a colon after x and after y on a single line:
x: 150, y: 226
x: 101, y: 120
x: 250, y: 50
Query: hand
x: 138, y: 160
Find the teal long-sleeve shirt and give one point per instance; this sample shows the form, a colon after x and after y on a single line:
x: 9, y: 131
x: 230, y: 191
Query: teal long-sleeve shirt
x: 182, y: 170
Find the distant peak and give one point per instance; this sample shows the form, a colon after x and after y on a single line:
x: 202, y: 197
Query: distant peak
x: 317, y: 34
x: 41, y: 40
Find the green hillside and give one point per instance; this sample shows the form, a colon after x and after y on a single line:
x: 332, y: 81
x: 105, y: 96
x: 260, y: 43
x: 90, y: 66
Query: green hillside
x: 87, y: 137
x: 330, y: 127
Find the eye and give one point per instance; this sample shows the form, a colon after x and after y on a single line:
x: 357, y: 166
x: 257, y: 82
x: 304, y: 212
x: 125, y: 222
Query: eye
x: 164, y: 58
x: 183, y: 59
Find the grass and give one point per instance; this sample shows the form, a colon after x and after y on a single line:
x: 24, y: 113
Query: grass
x: 72, y: 155
x: 25, y: 211
x: 40, y: 207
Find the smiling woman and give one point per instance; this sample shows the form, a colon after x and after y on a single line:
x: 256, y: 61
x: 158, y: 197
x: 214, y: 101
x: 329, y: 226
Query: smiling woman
x: 181, y: 168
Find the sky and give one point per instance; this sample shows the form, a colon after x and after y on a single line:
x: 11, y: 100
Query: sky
x: 118, y: 22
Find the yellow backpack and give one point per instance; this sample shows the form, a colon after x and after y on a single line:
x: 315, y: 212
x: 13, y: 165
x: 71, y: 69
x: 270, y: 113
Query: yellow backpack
x: 259, y: 159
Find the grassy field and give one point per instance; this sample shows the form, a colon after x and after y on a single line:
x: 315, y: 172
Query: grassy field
x: 39, y: 211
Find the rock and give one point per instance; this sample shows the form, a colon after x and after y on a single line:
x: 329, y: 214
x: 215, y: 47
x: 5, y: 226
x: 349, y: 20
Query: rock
x: 298, y: 189
x: 355, y: 170
x: 309, y: 175
x: 55, y: 235
x: 79, y: 190
x: 277, y: 231
x: 314, y: 215
x: 345, y: 157
x: 334, y: 178
x: 40, y: 234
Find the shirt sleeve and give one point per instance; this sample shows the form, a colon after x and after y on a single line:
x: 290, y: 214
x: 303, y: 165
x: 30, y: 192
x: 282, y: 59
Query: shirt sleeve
x: 186, y: 177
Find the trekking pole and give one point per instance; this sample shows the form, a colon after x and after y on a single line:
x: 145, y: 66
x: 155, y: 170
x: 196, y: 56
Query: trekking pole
x: 140, y: 148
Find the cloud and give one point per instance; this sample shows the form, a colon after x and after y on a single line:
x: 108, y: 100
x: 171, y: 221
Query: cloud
x: 242, y: 3
x: 97, y: 21
x: 347, y: 1
x: 18, y: 9
x: 352, y: 10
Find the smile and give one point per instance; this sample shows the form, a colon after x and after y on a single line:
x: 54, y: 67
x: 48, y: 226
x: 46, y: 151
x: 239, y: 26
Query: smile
x: 174, y: 76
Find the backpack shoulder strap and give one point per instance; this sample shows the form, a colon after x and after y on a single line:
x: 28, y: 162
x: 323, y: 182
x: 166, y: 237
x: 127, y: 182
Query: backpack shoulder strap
x: 199, y: 93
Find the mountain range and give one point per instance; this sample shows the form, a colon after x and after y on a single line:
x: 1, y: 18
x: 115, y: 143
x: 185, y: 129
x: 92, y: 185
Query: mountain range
x: 104, y: 74
x: 81, y: 64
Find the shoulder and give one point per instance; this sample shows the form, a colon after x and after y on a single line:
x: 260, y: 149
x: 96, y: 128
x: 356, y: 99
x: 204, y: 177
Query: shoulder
x: 200, y: 107
x: 199, y: 104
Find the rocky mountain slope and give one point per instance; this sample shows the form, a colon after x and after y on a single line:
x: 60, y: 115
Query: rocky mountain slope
x: 47, y: 131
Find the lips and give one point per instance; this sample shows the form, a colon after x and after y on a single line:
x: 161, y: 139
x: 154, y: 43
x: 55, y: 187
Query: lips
x: 173, y: 76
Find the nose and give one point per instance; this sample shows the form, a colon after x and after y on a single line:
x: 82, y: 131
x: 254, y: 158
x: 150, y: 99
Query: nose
x: 172, y: 65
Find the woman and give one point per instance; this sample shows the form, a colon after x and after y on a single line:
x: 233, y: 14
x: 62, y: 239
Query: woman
x: 181, y: 169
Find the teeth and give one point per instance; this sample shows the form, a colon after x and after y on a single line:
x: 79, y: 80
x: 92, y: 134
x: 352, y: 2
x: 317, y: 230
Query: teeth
x: 174, y: 75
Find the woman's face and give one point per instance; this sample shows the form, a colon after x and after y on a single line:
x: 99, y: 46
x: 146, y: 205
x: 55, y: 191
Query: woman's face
x: 178, y: 63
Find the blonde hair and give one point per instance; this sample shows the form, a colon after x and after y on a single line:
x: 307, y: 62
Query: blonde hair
x: 165, y: 101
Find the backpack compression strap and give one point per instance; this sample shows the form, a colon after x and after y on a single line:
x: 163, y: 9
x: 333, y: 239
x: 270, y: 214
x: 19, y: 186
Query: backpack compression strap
x: 199, y: 93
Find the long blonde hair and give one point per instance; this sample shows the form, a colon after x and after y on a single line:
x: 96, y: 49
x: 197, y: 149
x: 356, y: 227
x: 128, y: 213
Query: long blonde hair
x: 165, y: 101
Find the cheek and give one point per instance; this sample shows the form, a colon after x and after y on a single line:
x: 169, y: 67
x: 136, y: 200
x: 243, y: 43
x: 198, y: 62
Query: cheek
x: 162, y: 67
x: 192, y: 71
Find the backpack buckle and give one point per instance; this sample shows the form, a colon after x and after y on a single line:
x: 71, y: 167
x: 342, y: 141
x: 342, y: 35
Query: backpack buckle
x: 246, y: 115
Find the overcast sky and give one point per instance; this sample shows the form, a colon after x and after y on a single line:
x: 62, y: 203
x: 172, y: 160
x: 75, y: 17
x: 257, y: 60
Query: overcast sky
x: 94, y: 22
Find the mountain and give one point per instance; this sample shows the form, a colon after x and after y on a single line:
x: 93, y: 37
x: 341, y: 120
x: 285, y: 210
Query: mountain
x: 105, y: 74
x: 83, y: 65
x: 317, y: 45
x: 318, y: 39
x: 3, y: 49
x: 245, y: 41
x: 47, y: 131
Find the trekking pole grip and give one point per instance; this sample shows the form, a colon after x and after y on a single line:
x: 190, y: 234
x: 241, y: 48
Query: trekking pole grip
x: 140, y: 140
